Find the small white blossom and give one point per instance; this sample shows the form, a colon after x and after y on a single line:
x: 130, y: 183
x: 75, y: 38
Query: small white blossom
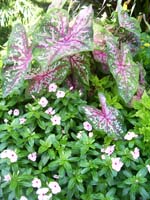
x: 116, y: 164
x: 6, y: 121
x: 42, y: 194
x: 9, y: 154
x: 55, y: 187
x: 36, y: 183
x: 4, y: 154
x: 32, y: 156
x: 103, y: 156
x: 148, y: 168
x: 43, y: 102
x: 87, y: 126
x: 130, y: 136
x: 7, y: 178
x: 50, y: 111
x: 56, y: 120
x: 108, y: 150
x: 90, y: 134
x: 135, y: 153
x: 12, y: 156
x: 60, y: 94
x: 10, y: 112
x: 52, y: 87
x: 79, y: 135
x: 16, y: 112
x: 56, y: 176
x: 23, y: 198
x: 22, y: 120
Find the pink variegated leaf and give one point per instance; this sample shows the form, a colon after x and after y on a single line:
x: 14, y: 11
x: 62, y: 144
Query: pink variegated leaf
x: 56, y: 73
x: 80, y: 65
x: 56, y: 38
x: 124, y: 70
x: 18, y: 60
x: 108, y: 119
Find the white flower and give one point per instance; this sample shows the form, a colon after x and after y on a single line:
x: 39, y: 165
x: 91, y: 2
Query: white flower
x: 90, y: 134
x: 79, y: 135
x: 130, y: 136
x: 44, y: 197
x: 9, y: 154
x: 22, y: 120
x: 10, y: 112
x: 43, y: 102
x: 52, y: 87
x: 36, y: 183
x: 148, y: 168
x: 23, y: 198
x: 108, y: 150
x: 6, y: 121
x: 135, y: 153
x: 116, y: 164
x: 87, y: 126
x: 42, y: 194
x: 16, y: 112
x: 55, y: 187
x: 12, y: 156
x: 50, y: 111
x: 56, y: 176
x: 7, y: 178
x: 32, y: 156
x: 103, y: 156
x: 56, y: 120
x: 4, y: 154
x: 60, y: 94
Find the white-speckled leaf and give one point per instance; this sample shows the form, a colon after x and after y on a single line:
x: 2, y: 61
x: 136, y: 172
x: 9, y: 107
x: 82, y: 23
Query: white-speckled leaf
x: 124, y: 70
x: 108, y: 119
x: 18, y: 60
x: 56, y: 38
x: 56, y: 73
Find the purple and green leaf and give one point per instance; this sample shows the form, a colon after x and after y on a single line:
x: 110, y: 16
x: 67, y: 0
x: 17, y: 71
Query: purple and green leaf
x: 56, y: 38
x: 127, y: 22
x: 124, y: 70
x: 108, y: 119
x: 80, y: 65
x: 56, y: 73
x: 18, y: 60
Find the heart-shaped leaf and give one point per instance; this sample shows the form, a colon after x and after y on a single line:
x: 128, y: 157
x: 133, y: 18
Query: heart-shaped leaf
x: 123, y: 68
x: 18, y: 60
x: 108, y: 119
x: 56, y: 38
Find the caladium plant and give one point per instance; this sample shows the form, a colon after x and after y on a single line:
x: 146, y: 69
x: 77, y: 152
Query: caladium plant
x: 123, y: 68
x: 108, y: 119
x: 18, y: 59
x: 55, y: 37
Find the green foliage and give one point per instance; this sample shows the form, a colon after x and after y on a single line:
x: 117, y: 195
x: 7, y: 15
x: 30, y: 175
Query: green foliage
x: 55, y: 143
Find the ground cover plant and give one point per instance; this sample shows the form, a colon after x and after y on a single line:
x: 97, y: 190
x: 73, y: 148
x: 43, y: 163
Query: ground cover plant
x: 74, y: 108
